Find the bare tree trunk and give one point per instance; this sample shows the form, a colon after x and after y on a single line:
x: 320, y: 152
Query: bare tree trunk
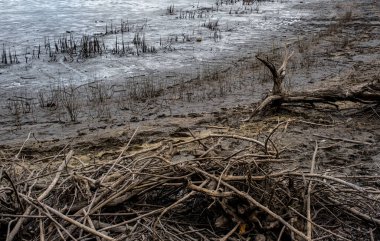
x: 359, y: 93
x: 278, y: 75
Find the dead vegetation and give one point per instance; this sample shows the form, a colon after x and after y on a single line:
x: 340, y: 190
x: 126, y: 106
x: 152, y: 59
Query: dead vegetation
x: 368, y: 92
x: 79, y: 47
x: 208, y: 185
x: 204, y: 185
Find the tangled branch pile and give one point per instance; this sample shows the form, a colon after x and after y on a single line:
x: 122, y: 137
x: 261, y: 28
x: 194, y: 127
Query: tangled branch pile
x: 218, y: 186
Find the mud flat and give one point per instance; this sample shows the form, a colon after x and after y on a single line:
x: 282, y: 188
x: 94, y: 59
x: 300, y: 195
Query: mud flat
x: 134, y: 38
x: 171, y: 155
x: 338, y: 42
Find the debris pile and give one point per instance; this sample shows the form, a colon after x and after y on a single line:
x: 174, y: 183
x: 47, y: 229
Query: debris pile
x: 215, y: 186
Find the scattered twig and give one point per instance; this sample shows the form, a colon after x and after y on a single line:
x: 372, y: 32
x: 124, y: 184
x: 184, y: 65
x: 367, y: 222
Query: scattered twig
x: 309, y: 189
x: 343, y: 139
x: 232, y: 178
x: 22, y: 147
x: 225, y: 238
x: 42, y: 196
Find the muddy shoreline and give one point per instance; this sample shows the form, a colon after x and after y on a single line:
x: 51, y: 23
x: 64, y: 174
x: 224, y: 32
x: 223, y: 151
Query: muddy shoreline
x: 330, y: 48
x: 178, y: 162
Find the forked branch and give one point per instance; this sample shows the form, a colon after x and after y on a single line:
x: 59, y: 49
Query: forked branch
x: 363, y: 93
x: 278, y: 75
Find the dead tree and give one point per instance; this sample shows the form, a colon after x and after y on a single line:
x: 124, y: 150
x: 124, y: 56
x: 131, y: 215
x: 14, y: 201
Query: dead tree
x: 365, y: 93
x: 277, y: 74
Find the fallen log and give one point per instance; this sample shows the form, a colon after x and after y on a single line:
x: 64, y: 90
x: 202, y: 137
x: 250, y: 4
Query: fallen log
x: 363, y: 93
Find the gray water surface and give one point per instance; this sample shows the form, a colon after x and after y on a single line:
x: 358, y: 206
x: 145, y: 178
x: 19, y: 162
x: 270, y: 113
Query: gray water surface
x: 25, y: 24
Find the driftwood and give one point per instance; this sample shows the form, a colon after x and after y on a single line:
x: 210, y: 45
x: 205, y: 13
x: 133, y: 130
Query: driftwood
x: 226, y: 189
x: 364, y: 93
x: 278, y: 74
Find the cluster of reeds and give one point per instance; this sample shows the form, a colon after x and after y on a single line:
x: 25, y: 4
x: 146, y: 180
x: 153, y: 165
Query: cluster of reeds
x: 197, y: 13
x: 244, y: 2
x: 99, y: 99
x: 90, y: 46
x: 217, y: 35
x: 19, y: 106
x: 211, y: 24
x: 99, y: 95
x: 175, y: 38
x: 189, y: 14
x: 85, y: 47
x: 122, y: 48
x: 141, y: 44
x: 8, y: 57
x: 227, y: 2
x: 70, y: 47
x: 143, y: 89
x: 170, y: 10
x: 65, y: 102
x: 125, y: 26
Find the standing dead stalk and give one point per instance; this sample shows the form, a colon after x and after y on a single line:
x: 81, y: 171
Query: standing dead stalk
x: 278, y: 76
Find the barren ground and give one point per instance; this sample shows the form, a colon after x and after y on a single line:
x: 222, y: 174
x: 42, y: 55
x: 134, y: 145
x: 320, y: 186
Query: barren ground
x: 341, y: 48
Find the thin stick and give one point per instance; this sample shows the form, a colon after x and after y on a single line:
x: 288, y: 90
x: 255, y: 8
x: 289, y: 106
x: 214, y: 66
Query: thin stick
x: 357, y: 213
x: 42, y: 229
x: 281, y: 233
x: 90, y: 223
x: 19, y: 223
x: 240, y: 138
x: 343, y: 139
x: 59, y: 232
x: 76, y: 223
x: 253, y: 201
x: 176, y: 204
x: 191, y: 133
x: 309, y: 225
x: 199, y: 234
x: 22, y: 147
x: 371, y: 234
x: 120, y: 156
x: 211, y: 193
x: 221, y: 135
x: 225, y: 238
x: 316, y: 225
x: 133, y: 219
x: 288, y: 173
x: 14, y: 188
x: 316, y: 124
x: 269, y: 136
x: 211, y: 148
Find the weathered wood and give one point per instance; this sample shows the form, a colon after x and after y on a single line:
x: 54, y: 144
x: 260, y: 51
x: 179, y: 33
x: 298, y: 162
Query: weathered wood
x: 277, y: 74
x: 365, y: 93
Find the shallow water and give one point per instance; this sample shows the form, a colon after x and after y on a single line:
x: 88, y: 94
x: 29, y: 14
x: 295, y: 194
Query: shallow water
x: 26, y: 23
x: 31, y: 19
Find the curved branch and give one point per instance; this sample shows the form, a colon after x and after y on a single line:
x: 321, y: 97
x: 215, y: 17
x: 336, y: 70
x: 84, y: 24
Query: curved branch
x: 269, y: 65
x: 282, y: 69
